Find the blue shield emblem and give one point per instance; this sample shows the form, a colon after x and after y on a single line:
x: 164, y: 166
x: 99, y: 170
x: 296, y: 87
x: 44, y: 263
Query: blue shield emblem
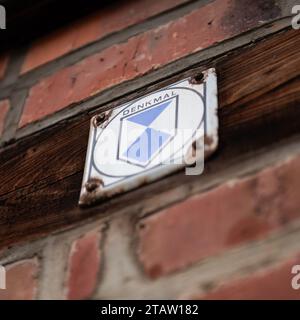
x: 145, y: 132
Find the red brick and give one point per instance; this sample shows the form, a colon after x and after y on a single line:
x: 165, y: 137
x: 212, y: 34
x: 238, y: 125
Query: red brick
x: 83, y: 269
x: 4, y: 107
x: 272, y: 284
x: 21, y: 280
x: 3, y: 65
x: 226, y: 216
x: 92, y: 28
x: 217, y: 21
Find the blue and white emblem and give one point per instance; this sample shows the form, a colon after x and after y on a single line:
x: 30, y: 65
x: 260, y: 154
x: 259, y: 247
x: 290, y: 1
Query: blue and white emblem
x: 150, y: 137
x: 144, y: 133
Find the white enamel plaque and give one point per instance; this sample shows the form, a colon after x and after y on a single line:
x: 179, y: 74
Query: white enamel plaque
x: 150, y: 137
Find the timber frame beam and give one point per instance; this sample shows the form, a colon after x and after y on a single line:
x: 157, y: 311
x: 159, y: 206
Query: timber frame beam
x: 259, y: 98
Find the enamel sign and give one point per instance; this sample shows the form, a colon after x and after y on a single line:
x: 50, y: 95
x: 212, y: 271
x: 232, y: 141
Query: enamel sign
x: 150, y: 137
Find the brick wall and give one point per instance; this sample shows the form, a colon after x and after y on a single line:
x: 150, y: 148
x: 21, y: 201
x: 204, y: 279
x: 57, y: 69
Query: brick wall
x: 230, y: 242
x: 61, y: 70
x: 237, y: 238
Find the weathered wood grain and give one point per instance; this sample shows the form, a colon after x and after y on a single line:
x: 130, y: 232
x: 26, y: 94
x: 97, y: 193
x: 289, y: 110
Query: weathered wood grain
x: 259, y: 93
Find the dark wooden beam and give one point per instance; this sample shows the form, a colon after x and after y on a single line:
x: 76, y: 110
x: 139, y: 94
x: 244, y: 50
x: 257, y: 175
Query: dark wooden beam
x: 259, y: 97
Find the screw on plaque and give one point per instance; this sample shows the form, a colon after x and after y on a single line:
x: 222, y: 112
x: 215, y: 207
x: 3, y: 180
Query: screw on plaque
x: 197, y: 79
x: 99, y: 119
x: 93, y: 184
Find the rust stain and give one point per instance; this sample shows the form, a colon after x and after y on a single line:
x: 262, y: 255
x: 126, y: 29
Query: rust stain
x: 93, y: 184
x: 97, y: 195
x: 208, y: 141
x: 100, y: 119
x: 190, y: 156
x: 209, y: 146
x: 197, y: 79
